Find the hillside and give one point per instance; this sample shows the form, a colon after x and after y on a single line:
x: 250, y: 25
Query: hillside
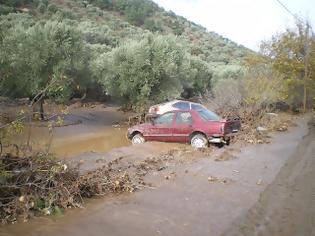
x: 106, y: 29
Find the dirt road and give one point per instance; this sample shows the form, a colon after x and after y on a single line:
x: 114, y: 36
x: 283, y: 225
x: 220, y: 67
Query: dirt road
x: 206, y: 197
x: 287, y: 206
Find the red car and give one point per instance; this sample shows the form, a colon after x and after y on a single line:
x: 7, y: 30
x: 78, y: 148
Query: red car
x: 197, y: 127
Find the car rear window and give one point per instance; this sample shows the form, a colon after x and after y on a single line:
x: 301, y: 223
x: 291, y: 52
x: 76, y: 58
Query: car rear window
x: 208, y: 115
x: 182, y: 105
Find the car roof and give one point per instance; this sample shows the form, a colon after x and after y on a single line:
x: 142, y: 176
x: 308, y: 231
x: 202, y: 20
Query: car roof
x: 182, y: 110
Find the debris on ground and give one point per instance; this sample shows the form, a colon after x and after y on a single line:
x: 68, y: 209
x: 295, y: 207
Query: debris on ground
x: 259, y: 182
x: 43, y: 184
x: 256, y: 123
x: 225, y: 156
x: 219, y: 180
x: 212, y: 178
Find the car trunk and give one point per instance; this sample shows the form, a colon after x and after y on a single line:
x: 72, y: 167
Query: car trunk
x: 231, y: 126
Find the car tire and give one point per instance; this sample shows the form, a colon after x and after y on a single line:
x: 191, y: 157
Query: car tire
x: 199, y: 141
x: 137, y: 139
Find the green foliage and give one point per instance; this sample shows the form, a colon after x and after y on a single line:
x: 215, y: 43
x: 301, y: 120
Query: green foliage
x: 222, y: 72
x: 150, y: 70
x: 94, y: 33
x: 153, y: 25
x: 293, y: 55
x: 200, y: 78
x: 41, y: 7
x: 36, y: 56
x: 4, y: 10
x: 103, y: 4
x: 52, y: 8
x: 136, y: 11
x: 101, y: 47
x: 15, y: 3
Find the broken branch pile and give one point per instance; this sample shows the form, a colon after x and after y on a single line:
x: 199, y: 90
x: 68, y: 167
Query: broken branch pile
x: 257, y: 122
x: 41, y: 184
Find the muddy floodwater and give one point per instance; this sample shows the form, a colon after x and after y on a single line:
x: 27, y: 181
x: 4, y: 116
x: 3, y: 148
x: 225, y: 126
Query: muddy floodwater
x: 85, y: 130
x: 103, y: 141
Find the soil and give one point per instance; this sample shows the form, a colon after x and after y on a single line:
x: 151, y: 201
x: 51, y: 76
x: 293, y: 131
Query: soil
x: 232, y: 190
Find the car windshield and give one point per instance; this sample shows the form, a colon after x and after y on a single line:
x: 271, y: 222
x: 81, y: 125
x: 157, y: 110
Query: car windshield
x: 208, y: 115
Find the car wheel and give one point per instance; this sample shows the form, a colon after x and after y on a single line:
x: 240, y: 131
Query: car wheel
x: 137, y: 139
x: 199, y: 141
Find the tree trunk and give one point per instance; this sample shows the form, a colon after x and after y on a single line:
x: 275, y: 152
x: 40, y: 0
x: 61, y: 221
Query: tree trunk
x: 38, y: 109
x: 306, y: 61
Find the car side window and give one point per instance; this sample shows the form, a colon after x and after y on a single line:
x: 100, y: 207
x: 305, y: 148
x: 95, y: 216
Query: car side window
x: 182, y: 105
x: 183, y: 118
x: 165, y: 119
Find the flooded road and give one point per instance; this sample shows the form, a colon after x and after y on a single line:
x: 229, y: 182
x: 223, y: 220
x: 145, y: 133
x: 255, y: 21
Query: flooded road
x: 203, y: 197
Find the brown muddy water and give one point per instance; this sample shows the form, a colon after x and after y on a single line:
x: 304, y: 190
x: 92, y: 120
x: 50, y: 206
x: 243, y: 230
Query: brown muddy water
x: 98, y: 142
x: 85, y: 130
x: 63, y: 145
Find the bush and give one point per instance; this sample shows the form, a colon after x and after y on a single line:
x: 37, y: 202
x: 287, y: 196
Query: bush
x: 41, y: 7
x: 4, y: 10
x: 257, y: 88
x: 153, y: 25
x: 52, y: 8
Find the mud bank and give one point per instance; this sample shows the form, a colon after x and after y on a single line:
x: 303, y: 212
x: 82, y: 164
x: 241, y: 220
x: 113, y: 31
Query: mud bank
x: 199, y: 197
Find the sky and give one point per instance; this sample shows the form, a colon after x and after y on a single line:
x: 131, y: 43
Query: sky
x: 246, y: 22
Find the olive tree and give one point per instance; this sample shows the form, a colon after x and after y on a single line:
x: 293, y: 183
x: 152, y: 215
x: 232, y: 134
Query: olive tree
x: 40, y: 57
x: 150, y: 70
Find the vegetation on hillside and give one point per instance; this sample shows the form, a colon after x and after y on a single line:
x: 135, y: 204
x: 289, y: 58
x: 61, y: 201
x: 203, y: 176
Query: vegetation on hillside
x: 102, y: 47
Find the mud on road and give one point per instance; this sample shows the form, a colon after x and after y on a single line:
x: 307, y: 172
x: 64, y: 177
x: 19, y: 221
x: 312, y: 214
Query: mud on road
x: 287, y: 206
x: 189, y: 194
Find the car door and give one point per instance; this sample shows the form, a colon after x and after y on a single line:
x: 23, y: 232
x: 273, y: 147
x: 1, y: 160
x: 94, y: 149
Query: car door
x: 161, y: 128
x: 183, y: 126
